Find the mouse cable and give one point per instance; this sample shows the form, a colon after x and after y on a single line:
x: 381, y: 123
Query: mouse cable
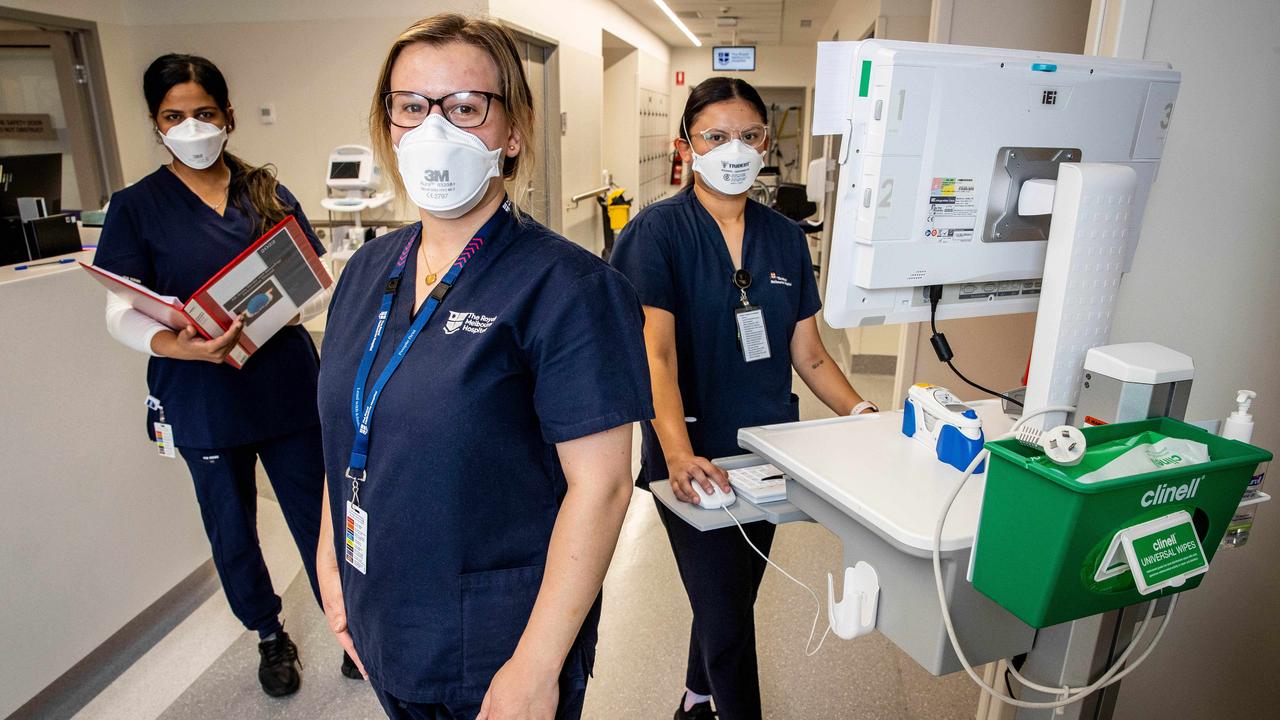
x: 817, y: 612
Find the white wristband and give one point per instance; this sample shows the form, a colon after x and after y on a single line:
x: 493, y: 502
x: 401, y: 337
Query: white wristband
x: 864, y: 406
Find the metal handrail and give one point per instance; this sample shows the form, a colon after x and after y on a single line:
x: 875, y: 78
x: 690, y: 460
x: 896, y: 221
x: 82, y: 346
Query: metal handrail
x: 592, y: 193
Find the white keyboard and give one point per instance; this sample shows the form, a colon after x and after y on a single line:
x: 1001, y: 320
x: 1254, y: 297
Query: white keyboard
x: 759, y: 483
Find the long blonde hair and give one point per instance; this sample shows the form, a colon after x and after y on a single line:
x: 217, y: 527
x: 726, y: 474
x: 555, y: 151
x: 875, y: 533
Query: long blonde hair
x: 517, y: 99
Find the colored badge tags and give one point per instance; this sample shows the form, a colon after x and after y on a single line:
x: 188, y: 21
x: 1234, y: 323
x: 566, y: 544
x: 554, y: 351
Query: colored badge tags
x: 356, y: 547
x: 164, y: 440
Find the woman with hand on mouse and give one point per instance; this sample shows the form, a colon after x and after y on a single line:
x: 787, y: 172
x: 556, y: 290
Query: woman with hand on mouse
x: 481, y: 377
x: 729, y: 302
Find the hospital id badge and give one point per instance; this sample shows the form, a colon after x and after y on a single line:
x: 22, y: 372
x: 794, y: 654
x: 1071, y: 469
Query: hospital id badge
x: 164, y: 440
x: 753, y: 338
x: 357, y: 542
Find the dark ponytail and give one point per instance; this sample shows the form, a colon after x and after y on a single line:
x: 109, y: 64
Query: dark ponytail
x: 255, y: 184
x: 712, y: 91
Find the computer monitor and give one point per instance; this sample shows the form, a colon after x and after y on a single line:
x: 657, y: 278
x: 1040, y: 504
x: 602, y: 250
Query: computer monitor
x: 351, y: 168
x: 30, y: 176
x: 940, y: 141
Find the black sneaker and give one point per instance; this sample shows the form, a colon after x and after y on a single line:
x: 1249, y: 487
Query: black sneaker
x: 349, y: 668
x: 278, y: 670
x: 700, y: 711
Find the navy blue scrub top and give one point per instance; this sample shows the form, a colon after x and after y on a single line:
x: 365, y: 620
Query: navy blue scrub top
x: 161, y: 233
x: 538, y: 342
x: 675, y: 255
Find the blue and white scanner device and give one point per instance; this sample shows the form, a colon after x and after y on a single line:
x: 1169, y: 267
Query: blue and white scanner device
x: 944, y: 424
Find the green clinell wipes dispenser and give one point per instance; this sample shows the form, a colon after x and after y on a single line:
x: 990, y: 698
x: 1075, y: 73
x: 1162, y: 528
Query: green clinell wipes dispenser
x: 1058, y: 543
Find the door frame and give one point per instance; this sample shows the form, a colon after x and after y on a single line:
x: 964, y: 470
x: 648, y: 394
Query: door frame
x: 550, y: 169
x: 82, y: 85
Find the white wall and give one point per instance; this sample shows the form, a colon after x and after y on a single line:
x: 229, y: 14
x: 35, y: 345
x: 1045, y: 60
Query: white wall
x: 168, y: 12
x: 850, y: 19
x: 317, y: 60
x: 776, y: 66
x: 1046, y: 25
x: 1204, y: 283
x: 904, y: 20
x: 576, y: 25
x: 319, y: 75
x: 620, y: 148
x: 101, y: 11
x: 100, y: 526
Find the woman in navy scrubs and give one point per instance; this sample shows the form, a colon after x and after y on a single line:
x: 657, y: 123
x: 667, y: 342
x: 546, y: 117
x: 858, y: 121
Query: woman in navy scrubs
x: 481, y: 376
x: 709, y: 265
x: 172, y: 231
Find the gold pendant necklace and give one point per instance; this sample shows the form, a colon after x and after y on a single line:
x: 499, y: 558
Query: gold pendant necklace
x: 431, y: 276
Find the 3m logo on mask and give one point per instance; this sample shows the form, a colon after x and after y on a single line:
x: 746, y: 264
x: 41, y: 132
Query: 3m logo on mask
x: 434, y: 176
x: 474, y: 323
x: 1170, y: 493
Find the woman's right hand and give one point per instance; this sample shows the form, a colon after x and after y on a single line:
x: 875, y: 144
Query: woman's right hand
x: 190, y: 345
x: 683, y: 470
x: 335, y: 609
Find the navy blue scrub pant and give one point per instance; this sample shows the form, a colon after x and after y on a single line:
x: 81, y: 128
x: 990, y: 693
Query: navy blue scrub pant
x: 570, y: 708
x: 227, y: 490
x: 722, y: 575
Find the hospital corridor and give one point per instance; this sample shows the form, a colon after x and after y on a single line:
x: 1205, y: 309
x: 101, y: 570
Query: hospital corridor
x: 639, y: 359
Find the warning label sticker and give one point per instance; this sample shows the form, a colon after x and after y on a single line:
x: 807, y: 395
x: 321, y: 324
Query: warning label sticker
x: 953, y: 209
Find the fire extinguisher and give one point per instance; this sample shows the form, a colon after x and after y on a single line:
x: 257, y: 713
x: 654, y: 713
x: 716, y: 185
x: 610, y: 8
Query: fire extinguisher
x: 677, y: 168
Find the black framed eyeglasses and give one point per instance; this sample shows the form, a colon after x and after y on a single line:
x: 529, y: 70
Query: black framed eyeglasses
x: 464, y: 109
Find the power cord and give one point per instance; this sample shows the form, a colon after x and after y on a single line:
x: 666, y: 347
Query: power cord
x: 817, y: 613
x: 943, y: 350
x: 1068, y: 695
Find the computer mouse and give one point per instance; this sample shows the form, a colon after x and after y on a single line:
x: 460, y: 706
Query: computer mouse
x: 715, y: 500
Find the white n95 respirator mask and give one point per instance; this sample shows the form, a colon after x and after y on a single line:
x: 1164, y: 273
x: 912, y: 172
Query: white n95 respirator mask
x: 729, y: 168
x: 445, y: 169
x: 195, y: 143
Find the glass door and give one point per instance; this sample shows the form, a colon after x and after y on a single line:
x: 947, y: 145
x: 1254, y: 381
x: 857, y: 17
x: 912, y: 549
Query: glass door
x: 45, y: 108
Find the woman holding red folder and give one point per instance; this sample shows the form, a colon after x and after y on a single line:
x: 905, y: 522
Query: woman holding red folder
x: 172, y: 231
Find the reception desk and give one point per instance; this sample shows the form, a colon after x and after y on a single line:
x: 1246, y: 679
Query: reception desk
x: 97, y: 526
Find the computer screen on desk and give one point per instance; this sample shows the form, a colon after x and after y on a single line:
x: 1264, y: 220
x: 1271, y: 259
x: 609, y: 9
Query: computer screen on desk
x: 940, y: 142
x: 30, y: 176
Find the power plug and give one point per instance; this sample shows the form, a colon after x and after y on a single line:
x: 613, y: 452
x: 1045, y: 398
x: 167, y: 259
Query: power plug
x: 1064, y: 444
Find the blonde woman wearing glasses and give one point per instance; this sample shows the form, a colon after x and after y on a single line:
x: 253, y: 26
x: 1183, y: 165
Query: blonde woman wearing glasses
x: 480, y: 379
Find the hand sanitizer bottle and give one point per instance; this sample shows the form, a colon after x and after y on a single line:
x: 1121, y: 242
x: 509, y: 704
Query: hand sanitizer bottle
x: 1239, y: 424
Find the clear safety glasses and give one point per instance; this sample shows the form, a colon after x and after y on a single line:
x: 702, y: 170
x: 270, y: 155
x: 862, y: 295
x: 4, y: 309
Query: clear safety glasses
x: 465, y: 109
x: 754, y: 135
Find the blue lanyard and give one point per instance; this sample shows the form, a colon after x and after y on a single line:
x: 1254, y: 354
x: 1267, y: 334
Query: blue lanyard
x: 362, y: 411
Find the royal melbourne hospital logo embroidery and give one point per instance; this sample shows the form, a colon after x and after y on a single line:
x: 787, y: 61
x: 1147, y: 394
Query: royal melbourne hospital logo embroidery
x: 474, y: 323
x: 454, y: 323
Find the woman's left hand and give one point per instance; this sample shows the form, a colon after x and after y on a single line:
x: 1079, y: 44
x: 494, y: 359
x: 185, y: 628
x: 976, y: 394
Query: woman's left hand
x: 521, y: 691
